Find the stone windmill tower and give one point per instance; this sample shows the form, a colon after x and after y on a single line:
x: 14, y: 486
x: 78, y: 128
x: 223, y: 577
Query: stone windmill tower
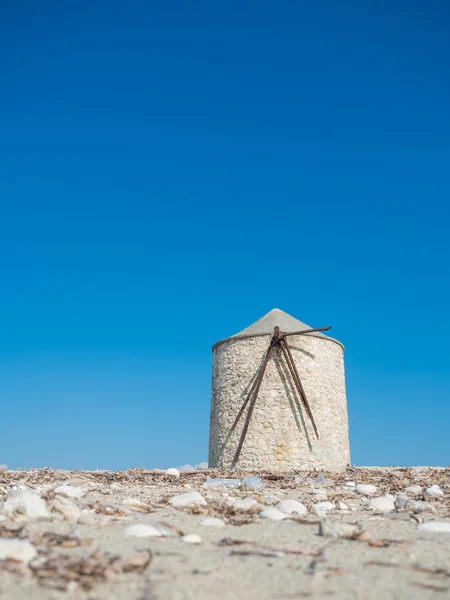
x: 278, y: 399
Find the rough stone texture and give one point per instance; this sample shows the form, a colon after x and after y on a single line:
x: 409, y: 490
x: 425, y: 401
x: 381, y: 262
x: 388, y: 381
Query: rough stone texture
x: 280, y: 436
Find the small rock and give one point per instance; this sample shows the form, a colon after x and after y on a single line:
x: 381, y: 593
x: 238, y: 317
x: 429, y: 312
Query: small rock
x: 20, y: 550
x: 244, y: 504
x: 67, y: 508
x: 26, y: 503
x: 342, y: 506
x: 212, y: 522
x: 174, y: 473
x: 367, y: 490
x: 434, y: 490
x: 141, y: 530
x: 192, y: 538
x: 292, y: 507
x: 401, y: 501
x: 435, y: 526
x: 88, y: 518
x: 187, y: 500
x: 414, y: 490
x: 323, y: 507
x: 70, y: 491
x: 382, y: 503
x: 229, y: 483
x: 349, y: 484
x: 338, y: 530
x: 253, y: 483
x: 274, y: 514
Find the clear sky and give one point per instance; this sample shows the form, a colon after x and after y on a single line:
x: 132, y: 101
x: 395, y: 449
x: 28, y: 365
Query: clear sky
x: 171, y: 171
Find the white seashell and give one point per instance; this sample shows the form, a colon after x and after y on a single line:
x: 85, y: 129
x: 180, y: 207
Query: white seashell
x: 291, y: 507
x: 192, y: 538
x: 244, y: 504
x: 187, y: 500
x: 212, y: 522
x: 435, y: 526
x: 19, y: 550
x: 414, y: 490
x: 141, y: 530
x: 67, y: 508
x: 323, y: 507
x: 70, y: 491
x: 274, y: 514
x: 26, y: 503
x: 434, y: 490
x: 174, y: 473
x: 367, y: 490
x: 350, y: 484
x: 343, y: 506
x: 382, y: 503
x: 136, y: 505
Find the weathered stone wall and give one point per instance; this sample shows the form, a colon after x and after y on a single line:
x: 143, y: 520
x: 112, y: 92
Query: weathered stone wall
x: 280, y: 436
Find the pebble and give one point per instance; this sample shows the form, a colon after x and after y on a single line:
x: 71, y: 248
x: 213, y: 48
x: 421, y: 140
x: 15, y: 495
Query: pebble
x: 26, y: 503
x: 212, y: 522
x: 88, y: 518
x: 343, y: 506
x: 187, y: 500
x: 323, y: 506
x: 338, y: 530
x: 192, y: 538
x: 414, y: 490
x: 174, y: 473
x: 382, y: 503
x: 401, y: 501
x: 366, y: 489
x: 67, y: 508
x: 274, y: 514
x: 435, y: 526
x: 349, y: 484
x: 434, y: 490
x: 292, y: 507
x: 244, y: 504
x: 141, y: 530
x: 19, y: 550
x: 70, y: 491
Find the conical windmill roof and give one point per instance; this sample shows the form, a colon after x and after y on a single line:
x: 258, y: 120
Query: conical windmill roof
x: 265, y: 325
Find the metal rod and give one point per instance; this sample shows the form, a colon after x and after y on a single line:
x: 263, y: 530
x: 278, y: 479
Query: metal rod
x: 306, y: 331
x: 298, y: 383
x: 253, y: 402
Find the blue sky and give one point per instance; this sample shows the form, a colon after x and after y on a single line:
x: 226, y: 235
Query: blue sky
x: 153, y: 155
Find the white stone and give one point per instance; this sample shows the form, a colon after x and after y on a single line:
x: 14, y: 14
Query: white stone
x: 212, y: 522
x: 382, y: 503
x: 323, y: 507
x: 274, y: 514
x: 141, y: 530
x: 434, y: 490
x: 342, y: 506
x: 192, y: 538
x: 244, y: 504
x: 19, y: 550
x: 67, y: 508
x: 414, y: 490
x: 187, y: 500
x: 401, y: 501
x: 27, y: 503
x: 437, y: 526
x: 291, y: 507
x: 338, y: 530
x: 367, y: 490
x: 70, y: 491
x: 349, y: 484
x: 174, y: 473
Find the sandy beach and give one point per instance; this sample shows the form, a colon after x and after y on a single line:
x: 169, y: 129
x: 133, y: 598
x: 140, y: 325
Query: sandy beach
x: 136, y: 535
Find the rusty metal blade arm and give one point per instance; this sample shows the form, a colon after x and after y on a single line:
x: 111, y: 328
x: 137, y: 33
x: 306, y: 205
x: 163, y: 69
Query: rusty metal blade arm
x: 306, y: 331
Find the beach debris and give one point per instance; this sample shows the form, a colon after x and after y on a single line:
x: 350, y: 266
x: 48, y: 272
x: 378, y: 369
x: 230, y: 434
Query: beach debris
x: 70, y: 491
x: 188, y: 500
x: 342, y: 506
x: 339, y: 530
x: 212, y: 522
x: 136, y: 505
x: 192, y: 538
x: 174, y: 473
x: 382, y: 503
x: 67, y: 508
x: 19, y: 550
x: 435, y: 526
x: 401, y: 501
x: 264, y: 550
x: 222, y: 482
x: 274, y: 514
x: 244, y: 504
x: 49, y: 539
x: 27, y: 503
x: 321, y: 480
x: 419, y: 506
x: 434, y: 490
x: 365, y: 489
x: 414, y: 490
x: 292, y: 507
x: 155, y: 529
x: 253, y: 482
x: 322, y: 507
x: 349, y: 484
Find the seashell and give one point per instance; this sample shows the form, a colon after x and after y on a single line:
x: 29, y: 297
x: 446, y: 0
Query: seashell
x: 27, y: 503
x: 187, y: 500
x: 19, y: 550
x: 67, y: 508
x: 70, y: 491
x: 292, y: 507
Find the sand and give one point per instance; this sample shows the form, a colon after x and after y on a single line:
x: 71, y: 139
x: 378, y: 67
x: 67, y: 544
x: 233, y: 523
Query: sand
x: 277, y: 560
